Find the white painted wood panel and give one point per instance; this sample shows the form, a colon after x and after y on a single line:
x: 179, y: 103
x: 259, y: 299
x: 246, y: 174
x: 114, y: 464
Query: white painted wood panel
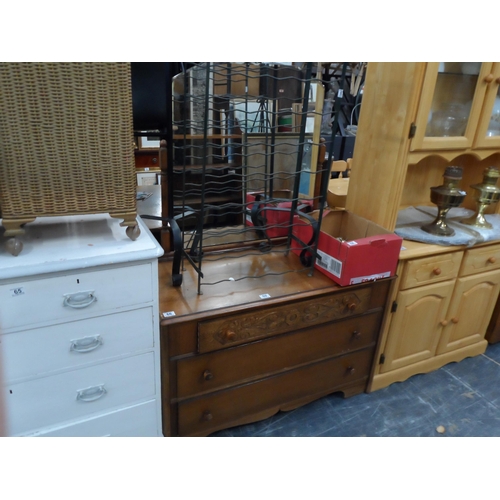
x: 54, y: 244
x: 134, y: 421
x: 106, y: 349
x: 73, y: 296
x: 66, y: 346
x: 49, y: 400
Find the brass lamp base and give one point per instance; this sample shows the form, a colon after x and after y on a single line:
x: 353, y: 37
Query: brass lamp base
x: 477, y: 220
x: 487, y: 193
x: 445, y: 197
x: 439, y: 227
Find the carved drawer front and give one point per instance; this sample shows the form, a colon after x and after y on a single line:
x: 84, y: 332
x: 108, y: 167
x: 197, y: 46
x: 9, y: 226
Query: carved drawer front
x: 215, y: 370
x: 477, y: 260
x: 206, y: 414
x: 431, y: 269
x: 262, y: 323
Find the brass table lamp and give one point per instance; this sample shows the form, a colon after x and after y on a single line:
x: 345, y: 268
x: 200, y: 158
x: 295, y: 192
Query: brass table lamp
x: 485, y: 194
x: 446, y: 196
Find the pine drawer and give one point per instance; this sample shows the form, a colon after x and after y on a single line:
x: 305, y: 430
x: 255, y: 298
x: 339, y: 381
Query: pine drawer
x: 232, y: 366
x: 477, y: 260
x: 428, y: 270
x: 203, y: 415
x: 41, y: 351
x: 73, y: 296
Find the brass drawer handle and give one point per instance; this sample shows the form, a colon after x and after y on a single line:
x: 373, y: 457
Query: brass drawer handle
x: 207, y: 375
x: 207, y: 416
x: 356, y: 334
x: 437, y: 271
x: 350, y: 370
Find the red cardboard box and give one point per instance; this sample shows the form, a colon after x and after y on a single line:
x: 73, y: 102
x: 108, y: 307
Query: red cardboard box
x: 277, y: 221
x: 364, y: 252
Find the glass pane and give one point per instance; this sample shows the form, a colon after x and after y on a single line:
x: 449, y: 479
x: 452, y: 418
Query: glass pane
x: 494, y: 126
x: 452, y: 101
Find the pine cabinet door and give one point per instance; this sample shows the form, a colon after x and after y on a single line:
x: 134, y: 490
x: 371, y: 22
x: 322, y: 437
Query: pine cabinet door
x: 450, y: 106
x: 488, y: 130
x: 471, y: 307
x: 416, y: 325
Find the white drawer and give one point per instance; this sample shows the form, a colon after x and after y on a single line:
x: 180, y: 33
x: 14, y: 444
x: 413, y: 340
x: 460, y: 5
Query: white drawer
x: 59, y: 398
x: 135, y: 421
x: 73, y: 296
x: 31, y: 353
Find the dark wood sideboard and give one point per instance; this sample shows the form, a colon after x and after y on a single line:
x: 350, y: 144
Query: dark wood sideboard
x: 230, y: 357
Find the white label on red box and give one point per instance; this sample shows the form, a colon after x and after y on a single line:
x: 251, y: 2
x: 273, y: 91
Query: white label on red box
x: 329, y: 263
x: 373, y: 277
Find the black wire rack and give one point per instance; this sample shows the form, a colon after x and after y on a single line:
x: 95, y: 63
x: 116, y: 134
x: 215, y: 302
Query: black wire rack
x: 246, y: 162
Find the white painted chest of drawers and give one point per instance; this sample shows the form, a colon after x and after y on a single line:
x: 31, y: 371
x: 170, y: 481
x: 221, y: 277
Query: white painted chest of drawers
x: 79, y: 330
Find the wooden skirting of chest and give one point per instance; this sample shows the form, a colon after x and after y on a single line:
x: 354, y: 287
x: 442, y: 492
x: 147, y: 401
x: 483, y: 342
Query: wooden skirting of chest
x: 248, y: 359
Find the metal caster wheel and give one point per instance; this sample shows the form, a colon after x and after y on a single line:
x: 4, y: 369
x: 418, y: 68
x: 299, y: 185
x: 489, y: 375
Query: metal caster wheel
x: 133, y: 232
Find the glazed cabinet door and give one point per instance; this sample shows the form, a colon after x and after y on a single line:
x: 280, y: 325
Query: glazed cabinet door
x: 470, y: 310
x: 416, y: 325
x: 450, y: 106
x: 488, y: 131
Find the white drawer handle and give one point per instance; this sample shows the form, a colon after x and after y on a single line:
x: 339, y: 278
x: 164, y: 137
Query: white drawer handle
x: 86, y: 344
x: 79, y: 300
x: 91, y: 394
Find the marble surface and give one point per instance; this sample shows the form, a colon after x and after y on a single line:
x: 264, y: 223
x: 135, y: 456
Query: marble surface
x: 462, y: 397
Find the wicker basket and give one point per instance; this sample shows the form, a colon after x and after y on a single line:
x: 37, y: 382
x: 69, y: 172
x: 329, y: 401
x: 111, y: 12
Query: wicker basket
x: 66, y: 142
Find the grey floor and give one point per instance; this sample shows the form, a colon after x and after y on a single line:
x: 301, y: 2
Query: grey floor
x: 463, y: 397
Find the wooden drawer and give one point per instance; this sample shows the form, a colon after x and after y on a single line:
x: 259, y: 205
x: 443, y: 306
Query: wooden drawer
x: 65, y: 346
x: 49, y: 400
x: 431, y: 269
x: 219, y: 369
x: 268, y: 322
x: 477, y: 260
x: 147, y: 159
x: 73, y: 296
x: 204, y: 415
x: 135, y: 421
